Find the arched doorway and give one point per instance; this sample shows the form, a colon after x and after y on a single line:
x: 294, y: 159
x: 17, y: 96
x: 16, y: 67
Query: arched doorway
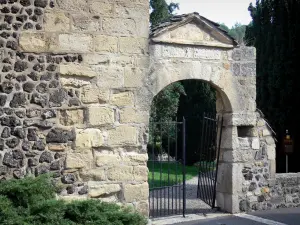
x: 184, y: 148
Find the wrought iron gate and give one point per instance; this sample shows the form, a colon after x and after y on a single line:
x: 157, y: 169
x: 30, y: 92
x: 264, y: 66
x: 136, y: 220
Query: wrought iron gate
x: 211, y: 136
x: 167, y: 169
x: 167, y: 163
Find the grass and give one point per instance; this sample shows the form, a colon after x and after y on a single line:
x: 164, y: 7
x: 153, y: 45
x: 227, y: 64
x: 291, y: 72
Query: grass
x: 164, y: 174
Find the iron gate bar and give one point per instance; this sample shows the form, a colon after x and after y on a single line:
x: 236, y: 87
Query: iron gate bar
x: 183, y: 168
x: 218, y: 159
x: 162, y: 186
x: 209, y: 157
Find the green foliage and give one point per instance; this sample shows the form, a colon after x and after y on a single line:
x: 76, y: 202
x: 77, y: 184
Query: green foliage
x: 26, y: 192
x: 237, y: 31
x: 161, y: 11
x: 275, y: 32
x: 31, y: 201
x: 200, y: 97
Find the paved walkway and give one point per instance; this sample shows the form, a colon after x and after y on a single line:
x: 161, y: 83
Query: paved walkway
x: 163, y: 201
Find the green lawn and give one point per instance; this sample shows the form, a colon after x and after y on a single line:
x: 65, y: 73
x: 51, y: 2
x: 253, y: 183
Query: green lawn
x: 167, y: 177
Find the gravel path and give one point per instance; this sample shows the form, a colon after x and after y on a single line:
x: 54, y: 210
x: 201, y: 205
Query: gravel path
x: 171, y: 198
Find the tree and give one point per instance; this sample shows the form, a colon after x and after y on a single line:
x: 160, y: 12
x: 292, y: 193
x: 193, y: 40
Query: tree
x: 274, y: 32
x: 237, y: 31
x: 161, y: 11
x: 165, y: 104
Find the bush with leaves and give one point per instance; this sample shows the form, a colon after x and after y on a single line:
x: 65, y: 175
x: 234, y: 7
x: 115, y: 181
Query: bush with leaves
x: 32, y: 201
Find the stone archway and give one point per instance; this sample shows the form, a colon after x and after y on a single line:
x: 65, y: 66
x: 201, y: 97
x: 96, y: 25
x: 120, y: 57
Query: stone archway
x: 192, y: 47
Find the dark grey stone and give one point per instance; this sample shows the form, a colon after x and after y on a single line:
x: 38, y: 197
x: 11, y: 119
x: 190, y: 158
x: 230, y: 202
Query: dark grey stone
x: 39, y: 145
x: 31, y: 154
x: 57, y: 97
x: 9, y: 160
x: 42, y: 88
x: 248, y: 54
x: 25, y: 2
x: 12, y: 45
x: 5, y: 133
x: 38, y: 27
x: 68, y: 179
x: 20, y: 66
x: 18, y: 174
x: 39, y: 99
x: 18, y: 154
x: 28, y: 87
x: 46, y: 157
x: 53, y: 84
x: 18, y: 132
x: 261, y: 198
x: 31, y: 113
x: 19, y: 100
x: 2, y: 146
x: 60, y: 136
x: 21, y: 78
x: 41, y: 3
x: 248, y: 69
x: 20, y: 114
x: 3, y: 99
x: 32, y: 134
x: 10, y: 121
x: 236, y: 69
x: 6, y: 68
x: 5, y: 35
x: 51, y: 67
x: 39, y: 67
x: 257, y: 177
x: 8, y: 111
x: 55, y: 165
x: 83, y: 190
x: 17, y: 87
x: 58, y: 155
x: 236, y: 54
x: 29, y: 122
x: 12, y: 143
x: 33, y: 76
x: 266, y: 176
x: 3, y: 170
x: 48, y: 114
x: 15, y: 9
x: 46, y: 77
x: 71, y: 189
x: 26, y: 146
x: 244, y: 205
x: 8, y: 19
x: 27, y: 26
x: 38, y: 11
x: 41, y: 59
x: 74, y: 102
x: 6, y: 87
x: 252, y: 186
x: 41, y: 169
x: 29, y: 12
x: 44, y: 124
x: 248, y: 176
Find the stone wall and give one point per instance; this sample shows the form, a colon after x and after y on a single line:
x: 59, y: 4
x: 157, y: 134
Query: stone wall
x: 257, y: 173
x: 286, y: 191
x: 70, y: 73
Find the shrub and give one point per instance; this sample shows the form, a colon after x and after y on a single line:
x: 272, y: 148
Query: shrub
x: 32, y: 201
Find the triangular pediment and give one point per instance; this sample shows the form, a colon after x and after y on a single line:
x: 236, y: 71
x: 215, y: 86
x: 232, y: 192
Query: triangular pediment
x: 192, y: 29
